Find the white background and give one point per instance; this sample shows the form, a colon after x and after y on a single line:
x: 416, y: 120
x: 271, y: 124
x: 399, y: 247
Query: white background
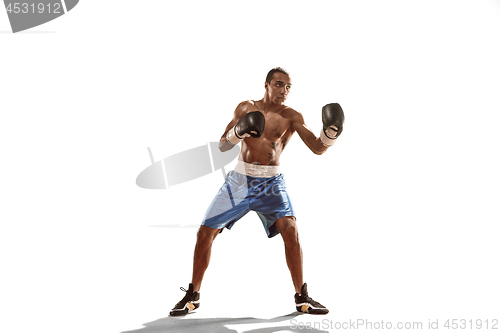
x: 398, y: 221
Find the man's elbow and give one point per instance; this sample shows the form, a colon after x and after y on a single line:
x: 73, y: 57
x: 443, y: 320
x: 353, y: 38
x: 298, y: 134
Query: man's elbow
x: 319, y: 149
x: 319, y: 152
x: 225, y: 146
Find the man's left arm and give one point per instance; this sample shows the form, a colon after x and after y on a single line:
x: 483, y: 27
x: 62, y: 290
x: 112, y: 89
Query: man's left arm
x: 305, y: 133
x: 333, y: 119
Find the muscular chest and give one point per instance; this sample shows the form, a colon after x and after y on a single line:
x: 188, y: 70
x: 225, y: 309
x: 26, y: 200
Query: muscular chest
x: 276, y: 126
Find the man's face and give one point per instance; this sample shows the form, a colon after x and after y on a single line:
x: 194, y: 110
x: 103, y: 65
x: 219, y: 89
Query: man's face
x: 279, y: 88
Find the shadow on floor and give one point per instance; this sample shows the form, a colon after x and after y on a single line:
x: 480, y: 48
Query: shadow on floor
x: 219, y: 325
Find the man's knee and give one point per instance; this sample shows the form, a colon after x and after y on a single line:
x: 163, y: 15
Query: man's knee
x: 288, y: 229
x: 206, y: 235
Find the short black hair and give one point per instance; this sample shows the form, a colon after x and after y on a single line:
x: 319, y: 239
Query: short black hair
x: 269, y: 76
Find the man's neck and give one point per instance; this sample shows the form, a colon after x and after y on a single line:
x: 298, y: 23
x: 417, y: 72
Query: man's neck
x: 267, y: 105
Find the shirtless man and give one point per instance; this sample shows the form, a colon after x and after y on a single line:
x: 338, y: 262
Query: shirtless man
x: 264, y: 127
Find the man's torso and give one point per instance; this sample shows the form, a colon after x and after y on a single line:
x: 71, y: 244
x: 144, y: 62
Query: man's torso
x: 267, y: 149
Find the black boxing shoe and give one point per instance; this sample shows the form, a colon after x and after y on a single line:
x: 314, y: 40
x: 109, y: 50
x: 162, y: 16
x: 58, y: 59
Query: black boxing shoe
x: 306, y: 304
x: 189, y: 303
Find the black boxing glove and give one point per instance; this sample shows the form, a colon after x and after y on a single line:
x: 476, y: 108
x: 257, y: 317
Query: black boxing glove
x: 333, y: 122
x: 252, y: 124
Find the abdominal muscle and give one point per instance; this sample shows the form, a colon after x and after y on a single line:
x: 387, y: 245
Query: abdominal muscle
x: 267, y: 149
x: 261, y: 151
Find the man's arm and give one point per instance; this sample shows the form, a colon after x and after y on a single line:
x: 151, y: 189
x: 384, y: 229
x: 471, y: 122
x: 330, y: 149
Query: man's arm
x: 305, y: 133
x: 239, y: 112
x: 333, y: 122
x: 245, y: 123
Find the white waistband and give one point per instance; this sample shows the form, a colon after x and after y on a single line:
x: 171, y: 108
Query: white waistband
x: 257, y: 170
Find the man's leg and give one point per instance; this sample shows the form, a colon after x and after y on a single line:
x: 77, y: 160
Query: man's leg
x: 202, y: 251
x: 221, y: 213
x: 293, y: 251
x: 288, y: 230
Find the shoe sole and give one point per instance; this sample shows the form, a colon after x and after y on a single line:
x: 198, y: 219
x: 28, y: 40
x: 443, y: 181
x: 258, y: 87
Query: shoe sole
x: 189, y: 307
x: 308, y: 308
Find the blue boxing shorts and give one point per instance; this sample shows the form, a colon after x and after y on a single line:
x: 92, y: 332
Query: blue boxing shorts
x: 260, y: 188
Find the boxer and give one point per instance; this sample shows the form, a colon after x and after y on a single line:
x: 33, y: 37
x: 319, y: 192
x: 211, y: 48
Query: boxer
x: 264, y: 128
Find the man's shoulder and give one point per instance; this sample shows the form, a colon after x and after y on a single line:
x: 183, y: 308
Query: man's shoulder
x: 290, y: 112
x: 246, y: 104
x: 249, y: 102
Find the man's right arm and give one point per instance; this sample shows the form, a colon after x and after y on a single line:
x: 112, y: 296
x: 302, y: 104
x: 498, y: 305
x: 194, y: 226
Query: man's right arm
x: 245, y: 123
x: 239, y: 112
